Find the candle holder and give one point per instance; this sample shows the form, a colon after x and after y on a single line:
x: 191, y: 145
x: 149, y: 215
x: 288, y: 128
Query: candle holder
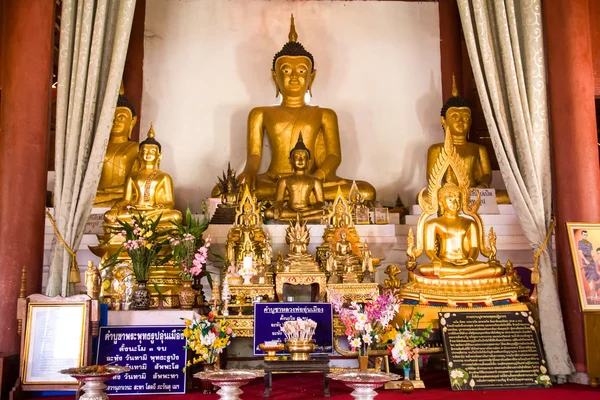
x: 271, y: 350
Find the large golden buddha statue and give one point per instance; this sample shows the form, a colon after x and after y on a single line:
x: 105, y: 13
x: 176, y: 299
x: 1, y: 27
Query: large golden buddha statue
x: 294, y: 73
x: 453, y: 242
x: 456, y: 121
x: 148, y: 190
x: 120, y: 157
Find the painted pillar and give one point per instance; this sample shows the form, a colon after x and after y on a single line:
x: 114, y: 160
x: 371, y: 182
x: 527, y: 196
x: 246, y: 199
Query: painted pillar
x: 450, y: 47
x: 575, y: 152
x: 24, y: 123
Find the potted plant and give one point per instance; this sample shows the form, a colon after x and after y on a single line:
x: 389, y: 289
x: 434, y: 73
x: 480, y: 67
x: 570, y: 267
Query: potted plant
x: 144, y: 244
x: 190, y: 252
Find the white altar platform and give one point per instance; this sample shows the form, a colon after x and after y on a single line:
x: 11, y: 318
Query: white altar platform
x: 387, y: 242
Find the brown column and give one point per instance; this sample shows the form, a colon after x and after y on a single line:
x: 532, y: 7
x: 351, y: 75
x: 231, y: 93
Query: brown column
x: 450, y: 47
x: 573, y: 124
x: 24, y: 113
x: 133, y: 74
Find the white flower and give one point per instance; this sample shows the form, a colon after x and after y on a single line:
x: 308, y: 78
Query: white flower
x: 545, y: 378
x: 456, y: 374
x: 368, y: 328
x: 367, y: 339
x: 362, y: 318
x: 359, y: 326
x: 355, y: 343
x: 450, y: 364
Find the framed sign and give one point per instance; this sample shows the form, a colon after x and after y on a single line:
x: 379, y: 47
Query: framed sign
x: 584, y: 240
x: 269, y: 318
x: 155, y: 355
x: 381, y: 215
x: 56, y: 335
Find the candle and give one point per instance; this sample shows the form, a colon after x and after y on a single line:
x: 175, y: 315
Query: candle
x: 247, y: 263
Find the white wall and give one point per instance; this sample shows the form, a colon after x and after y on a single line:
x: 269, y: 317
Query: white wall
x: 207, y: 63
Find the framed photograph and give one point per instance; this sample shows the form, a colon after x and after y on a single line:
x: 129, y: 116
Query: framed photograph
x: 362, y: 215
x: 585, y: 249
x: 381, y: 215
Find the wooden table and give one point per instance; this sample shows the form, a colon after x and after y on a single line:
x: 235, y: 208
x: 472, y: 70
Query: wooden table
x: 314, y: 364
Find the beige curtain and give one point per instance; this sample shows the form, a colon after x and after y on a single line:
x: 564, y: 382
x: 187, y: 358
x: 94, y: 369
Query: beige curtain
x: 505, y: 44
x: 93, y: 46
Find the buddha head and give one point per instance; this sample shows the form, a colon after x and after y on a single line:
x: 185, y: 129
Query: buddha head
x: 125, y: 117
x: 456, y: 114
x: 299, y: 155
x: 150, y: 150
x: 293, y: 67
x: 449, y: 199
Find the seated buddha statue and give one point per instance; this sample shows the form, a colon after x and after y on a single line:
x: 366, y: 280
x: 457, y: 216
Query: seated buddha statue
x: 450, y: 233
x: 456, y: 120
x: 452, y: 242
x: 120, y: 157
x: 148, y: 190
x: 294, y: 72
x: 298, y: 188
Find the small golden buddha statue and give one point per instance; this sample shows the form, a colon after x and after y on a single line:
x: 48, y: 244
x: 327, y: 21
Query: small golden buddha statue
x: 293, y: 73
x: 346, y: 259
x: 298, y: 237
x: 148, y: 190
x: 298, y: 189
x: 456, y: 121
x: 246, y: 237
x: 121, y: 154
x: 229, y: 186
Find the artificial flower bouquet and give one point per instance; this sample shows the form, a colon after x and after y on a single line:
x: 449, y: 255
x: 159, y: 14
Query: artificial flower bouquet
x: 365, y: 322
x: 207, y: 338
x: 190, y: 249
x: 406, y: 341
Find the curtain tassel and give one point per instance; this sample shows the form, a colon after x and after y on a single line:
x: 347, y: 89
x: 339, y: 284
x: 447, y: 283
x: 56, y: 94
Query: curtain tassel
x: 535, y: 274
x: 74, y: 273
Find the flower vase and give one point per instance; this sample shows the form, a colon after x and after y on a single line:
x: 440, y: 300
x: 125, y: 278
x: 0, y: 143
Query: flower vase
x: 187, y: 295
x: 141, y: 297
x: 363, y: 363
x: 407, y: 386
x: 206, y: 385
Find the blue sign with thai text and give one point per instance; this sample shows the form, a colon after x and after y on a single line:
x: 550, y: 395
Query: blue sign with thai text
x: 269, y: 318
x: 155, y: 355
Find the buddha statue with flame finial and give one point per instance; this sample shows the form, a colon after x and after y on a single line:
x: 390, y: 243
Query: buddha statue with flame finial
x: 294, y: 73
x: 148, y: 190
x: 453, y: 242
x: 456, y: 121
x: 121, y: 154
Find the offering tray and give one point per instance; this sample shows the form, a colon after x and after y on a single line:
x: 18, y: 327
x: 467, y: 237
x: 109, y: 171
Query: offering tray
x: 364, y: 383
x: 93, y: 378
x: 230, y: 380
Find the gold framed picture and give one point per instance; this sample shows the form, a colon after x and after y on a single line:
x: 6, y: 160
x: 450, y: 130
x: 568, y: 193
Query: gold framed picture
x: 56, y: 335
x: 381, y: 215
x: 362, y: 215
x: 584, y: 240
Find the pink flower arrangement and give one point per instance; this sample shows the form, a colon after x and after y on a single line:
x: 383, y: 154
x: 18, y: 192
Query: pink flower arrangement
x: 190, y: 250
x: 365, y: 322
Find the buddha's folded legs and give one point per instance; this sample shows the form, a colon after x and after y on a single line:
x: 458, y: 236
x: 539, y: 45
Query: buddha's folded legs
x: 473, y: 271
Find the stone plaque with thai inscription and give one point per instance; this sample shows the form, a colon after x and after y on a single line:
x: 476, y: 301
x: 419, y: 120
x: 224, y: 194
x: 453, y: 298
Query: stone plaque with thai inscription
x: 493, y: 350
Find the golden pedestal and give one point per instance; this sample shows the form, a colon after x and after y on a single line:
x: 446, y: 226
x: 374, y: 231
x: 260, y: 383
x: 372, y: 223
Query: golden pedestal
x: 301, y: 278
x: 241, y: 293
x: 167, y: 279
x: 359, y: 292
x: 463, y: 292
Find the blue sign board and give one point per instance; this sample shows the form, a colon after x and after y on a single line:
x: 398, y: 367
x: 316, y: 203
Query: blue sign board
x: 155, y: 355
x: 269, y: 318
